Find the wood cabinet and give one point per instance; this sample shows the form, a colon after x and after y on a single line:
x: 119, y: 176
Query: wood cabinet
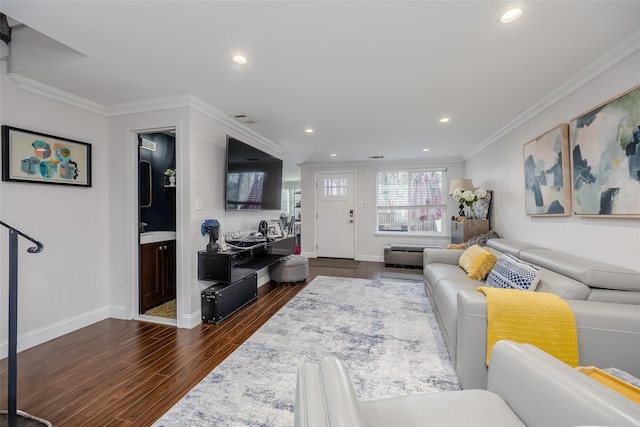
x: 157, y: 274
x: 462, y: 231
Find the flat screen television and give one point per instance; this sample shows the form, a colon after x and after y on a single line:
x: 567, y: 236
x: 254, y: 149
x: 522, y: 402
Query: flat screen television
x: 253, y: 179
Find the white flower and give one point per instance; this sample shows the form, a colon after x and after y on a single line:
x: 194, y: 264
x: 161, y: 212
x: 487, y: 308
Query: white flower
x: 457, y: 193
x: 469, y: 196
x: 480, y: 193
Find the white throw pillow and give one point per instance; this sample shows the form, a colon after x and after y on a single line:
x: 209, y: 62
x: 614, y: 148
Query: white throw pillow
x: 512, y: 273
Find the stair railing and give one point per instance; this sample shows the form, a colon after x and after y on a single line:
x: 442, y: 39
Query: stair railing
x: 13, y: 317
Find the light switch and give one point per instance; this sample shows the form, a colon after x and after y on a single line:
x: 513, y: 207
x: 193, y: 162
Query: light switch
x: 199, y: 204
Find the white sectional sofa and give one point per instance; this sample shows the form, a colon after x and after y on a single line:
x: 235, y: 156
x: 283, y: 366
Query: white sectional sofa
x: 605, y: 300
x: 527, y: 387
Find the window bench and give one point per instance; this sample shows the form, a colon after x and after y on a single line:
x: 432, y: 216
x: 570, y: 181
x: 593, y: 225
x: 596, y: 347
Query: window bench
x: 405, y: 254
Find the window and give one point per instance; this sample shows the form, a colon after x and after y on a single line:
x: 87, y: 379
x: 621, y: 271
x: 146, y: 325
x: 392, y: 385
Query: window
x: 335, y: 186
x: 410, y: 201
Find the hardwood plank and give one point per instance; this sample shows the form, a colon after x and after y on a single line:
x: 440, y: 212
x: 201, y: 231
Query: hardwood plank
x: 128, y: 373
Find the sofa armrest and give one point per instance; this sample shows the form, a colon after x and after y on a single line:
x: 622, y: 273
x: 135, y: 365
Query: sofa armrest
x: 529, y: 379
x: 608, y: 334
x: 471, y: 339
x: 442, y: 256
x: 325, y: 385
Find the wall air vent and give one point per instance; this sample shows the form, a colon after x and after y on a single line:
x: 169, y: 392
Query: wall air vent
x: 376, y: 157
x: 148, y: 145
x: 243, y: 118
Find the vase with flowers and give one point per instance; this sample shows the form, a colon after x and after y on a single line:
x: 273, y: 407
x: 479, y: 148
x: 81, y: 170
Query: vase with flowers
x: 171, y: 174
x: 470, y: 199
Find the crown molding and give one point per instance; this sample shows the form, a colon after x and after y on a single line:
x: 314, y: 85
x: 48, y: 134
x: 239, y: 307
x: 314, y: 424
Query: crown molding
x: 206, y: 109
x: 184, y: 101
x: 50, y: 92
x: 382, y: 163
x: 616, y: 55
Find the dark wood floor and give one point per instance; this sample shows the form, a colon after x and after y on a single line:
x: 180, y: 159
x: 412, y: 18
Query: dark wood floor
x: 129, y: 373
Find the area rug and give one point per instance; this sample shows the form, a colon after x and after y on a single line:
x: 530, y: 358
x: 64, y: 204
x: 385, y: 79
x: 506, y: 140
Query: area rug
x: 384, y: 330
x: 333, y: 262
x: 402, y: 273
x: 167, y: 310
x: 23, y: 420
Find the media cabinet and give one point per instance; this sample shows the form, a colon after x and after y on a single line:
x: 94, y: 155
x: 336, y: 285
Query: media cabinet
x: 235, y: 277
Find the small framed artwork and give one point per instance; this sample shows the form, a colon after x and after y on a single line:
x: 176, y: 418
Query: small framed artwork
x: 547, y: 174
x: 484, y: 206
x: 274, y: 230
x: 605, y: 158
x: 29, y: 156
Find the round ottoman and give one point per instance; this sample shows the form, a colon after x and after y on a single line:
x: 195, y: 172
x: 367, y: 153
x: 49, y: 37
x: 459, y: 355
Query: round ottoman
x: 290, y: 269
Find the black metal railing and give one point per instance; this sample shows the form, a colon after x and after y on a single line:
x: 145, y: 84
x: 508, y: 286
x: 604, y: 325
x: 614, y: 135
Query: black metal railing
x: 13, y: 317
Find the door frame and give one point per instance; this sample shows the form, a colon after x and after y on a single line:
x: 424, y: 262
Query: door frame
x: 132, y: 235
x: 355, y: 204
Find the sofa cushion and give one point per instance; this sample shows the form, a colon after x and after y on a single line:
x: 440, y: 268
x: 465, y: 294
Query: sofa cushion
x: 434, y: 273
x: 477, y: 262
x: 511, y: 273
x: 563, y: 286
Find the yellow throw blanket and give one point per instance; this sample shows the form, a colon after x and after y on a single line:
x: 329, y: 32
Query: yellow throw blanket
x: 542, y: 319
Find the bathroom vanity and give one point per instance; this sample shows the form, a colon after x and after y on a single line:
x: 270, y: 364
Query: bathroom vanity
x: 157, y: 268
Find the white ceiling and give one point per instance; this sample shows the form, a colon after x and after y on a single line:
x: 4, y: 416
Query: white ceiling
x: 370, y: 77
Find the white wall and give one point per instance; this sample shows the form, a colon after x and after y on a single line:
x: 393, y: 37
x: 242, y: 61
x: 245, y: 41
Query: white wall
x: 67, y: 285
x: 200, y: 168
x: 500, y: 167
x: 123, y: 204
x: 369, y: 246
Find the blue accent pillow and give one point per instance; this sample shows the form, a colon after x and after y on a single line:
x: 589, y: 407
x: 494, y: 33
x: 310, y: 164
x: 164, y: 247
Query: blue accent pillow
x: 511, y: 273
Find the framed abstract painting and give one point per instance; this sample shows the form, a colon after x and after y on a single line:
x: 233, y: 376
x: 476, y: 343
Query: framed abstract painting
x: 605, y: 158
x: 40, y: 158
x: 547, y: 174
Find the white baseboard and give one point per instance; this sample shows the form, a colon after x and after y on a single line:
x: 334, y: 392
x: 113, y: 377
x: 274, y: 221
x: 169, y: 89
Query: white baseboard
x: 190, y: 322
x: 118, y: 312
x: 42, y: 335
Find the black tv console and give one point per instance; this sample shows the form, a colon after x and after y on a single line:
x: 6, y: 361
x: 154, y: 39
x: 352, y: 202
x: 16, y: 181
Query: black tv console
x: 234, y: 272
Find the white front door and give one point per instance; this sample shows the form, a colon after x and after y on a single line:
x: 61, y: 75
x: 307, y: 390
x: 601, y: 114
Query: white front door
x: 336, y: 215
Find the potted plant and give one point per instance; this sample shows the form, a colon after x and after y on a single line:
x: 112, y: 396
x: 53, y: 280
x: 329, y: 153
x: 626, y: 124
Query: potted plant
x: 171, y: 173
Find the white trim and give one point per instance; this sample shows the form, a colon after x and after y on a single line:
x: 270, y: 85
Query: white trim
x: 55, y: 330
x: 386, y: 164
x: 50, y: 92
x: 190, y: 322
x: 155, y: 319
x: 619, y: 53
x: 118, y: 312
x: 158, y: 104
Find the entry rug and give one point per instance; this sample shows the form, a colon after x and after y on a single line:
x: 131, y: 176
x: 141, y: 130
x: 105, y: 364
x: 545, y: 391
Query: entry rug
x: 384, y: 330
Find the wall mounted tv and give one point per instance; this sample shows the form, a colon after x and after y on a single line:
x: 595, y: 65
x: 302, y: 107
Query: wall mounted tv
x: 253, y: 180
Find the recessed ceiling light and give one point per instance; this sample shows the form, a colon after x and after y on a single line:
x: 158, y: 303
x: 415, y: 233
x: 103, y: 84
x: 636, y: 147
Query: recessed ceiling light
x: 511, y: 15
x: 239, y: 59
x: 333, y: 154
x: 308, y: 130
x: 425, y: 149
x: 444, y: 120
